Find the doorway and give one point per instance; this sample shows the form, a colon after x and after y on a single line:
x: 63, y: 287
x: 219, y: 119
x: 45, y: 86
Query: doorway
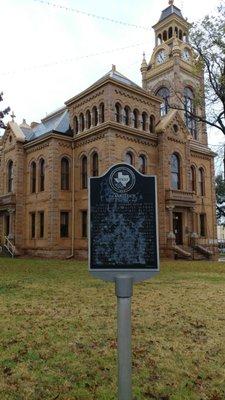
x: 6, y: 227
x: 177, y: 227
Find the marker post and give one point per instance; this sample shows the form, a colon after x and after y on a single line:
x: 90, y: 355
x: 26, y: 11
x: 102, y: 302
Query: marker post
x: 123, y: 246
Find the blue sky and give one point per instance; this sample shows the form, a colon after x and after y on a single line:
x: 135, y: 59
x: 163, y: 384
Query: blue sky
x: 35, y: 34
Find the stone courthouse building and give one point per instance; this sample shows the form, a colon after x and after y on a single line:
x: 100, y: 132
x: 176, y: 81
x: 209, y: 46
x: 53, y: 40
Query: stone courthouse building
x: 45, y: 167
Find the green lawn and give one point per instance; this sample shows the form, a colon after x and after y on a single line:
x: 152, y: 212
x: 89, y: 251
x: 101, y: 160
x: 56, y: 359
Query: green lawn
x: 58, y: 333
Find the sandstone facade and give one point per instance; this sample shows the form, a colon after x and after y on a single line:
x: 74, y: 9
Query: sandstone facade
x: 45, y: 167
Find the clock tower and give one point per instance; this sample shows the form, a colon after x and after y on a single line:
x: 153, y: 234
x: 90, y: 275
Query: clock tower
x: 171, y: 71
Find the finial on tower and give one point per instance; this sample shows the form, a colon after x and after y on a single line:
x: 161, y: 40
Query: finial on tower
x: 13, y: 116
x: 171, y: 2
x: 144, y: 63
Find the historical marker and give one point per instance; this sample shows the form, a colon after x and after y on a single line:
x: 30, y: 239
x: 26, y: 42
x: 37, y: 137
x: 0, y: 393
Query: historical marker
x: 123, y: 223
x: 123, y: 246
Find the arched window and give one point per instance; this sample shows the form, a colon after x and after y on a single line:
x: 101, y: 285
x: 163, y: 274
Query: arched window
x: 159, y: 39
x: 118, y: 112
x: 88, y: 119
x: 95, y: 116
x: 42, y: 175
x: 170, y: 32
x: 81, y: 120
x: 164, y: 36
x: 193, y: 178
x: 175, y: 172
x: 165, y: 94
x: 84, y: 172
x: 144, y: 118
x: 10, y: 176
x: 33, y: 177
x: 135, y: 118
x: 102, y: 112
x: 129, y: 158
x: 76, y: 125
x: 65, y: 174
x: 201, y: 182
x: 180, y: 34
x: 142, y: 164
x: 152, y: 124
x: 127, y: 115
x: 189, y: 111
x: 95, y: 164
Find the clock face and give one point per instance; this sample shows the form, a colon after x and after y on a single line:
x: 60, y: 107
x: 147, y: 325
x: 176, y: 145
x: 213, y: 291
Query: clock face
x: 186, y: 55
x: 161, y: 57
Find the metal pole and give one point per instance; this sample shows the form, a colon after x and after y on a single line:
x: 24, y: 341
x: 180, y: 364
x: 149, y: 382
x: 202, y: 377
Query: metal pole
x: 124, y: 291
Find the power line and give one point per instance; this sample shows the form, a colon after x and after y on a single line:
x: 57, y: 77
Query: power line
x: 88, y: 14
x: 69, y: 60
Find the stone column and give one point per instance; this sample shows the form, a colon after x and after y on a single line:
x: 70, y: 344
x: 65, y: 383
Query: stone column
x: 11, y: 223
x: 170, y: 235
x: 170, y: 209
x: 194, y: 235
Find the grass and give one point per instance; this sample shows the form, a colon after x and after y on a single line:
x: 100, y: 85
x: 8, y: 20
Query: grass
x: 58, y: 333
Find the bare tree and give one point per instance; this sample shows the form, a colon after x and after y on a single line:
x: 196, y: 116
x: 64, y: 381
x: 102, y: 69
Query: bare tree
x: 3, y: 113
x: 207, y: 38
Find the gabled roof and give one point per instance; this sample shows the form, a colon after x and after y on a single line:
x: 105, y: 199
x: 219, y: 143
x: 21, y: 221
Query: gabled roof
x: 17, y: 131
x: 57, y: 121
x: 167, y: 119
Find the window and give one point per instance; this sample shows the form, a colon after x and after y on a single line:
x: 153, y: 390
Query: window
x: 32, y: 220
x: 102, y: 112
x: 75, y: 125
x: 142, y: 164
x: 65, y: 174
x: 144, y: 121
x: 88, y: 119
x: 42, y: 175
x: 152, y: 124
x: 10, y: 176
x: 165, y: 94
x: 64, y: 224
x: 126, y: 115
x: 201, y: 182
x: 202, y: 218
x: 33, y: 177
x: 95, y: 116
x: 84, y: 172
x: 118, y: 112
x: 129, y: 158
x: 189, y: 111
x: 41, y: 224
x: 164, y: 36
x: 84, y: 224
x: 180, y: 34
x: 159, y: 39
x: 81, y: 120
x: 170, y: 32
x: 95, y: 164
x: 175, y: 172
x: 135, y: 118
x: 193, y: 179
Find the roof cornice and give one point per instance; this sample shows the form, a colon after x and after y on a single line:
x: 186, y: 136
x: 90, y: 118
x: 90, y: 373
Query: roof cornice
x: 109, y: 80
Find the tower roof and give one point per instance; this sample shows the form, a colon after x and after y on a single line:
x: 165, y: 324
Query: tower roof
x: 169, y: 11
